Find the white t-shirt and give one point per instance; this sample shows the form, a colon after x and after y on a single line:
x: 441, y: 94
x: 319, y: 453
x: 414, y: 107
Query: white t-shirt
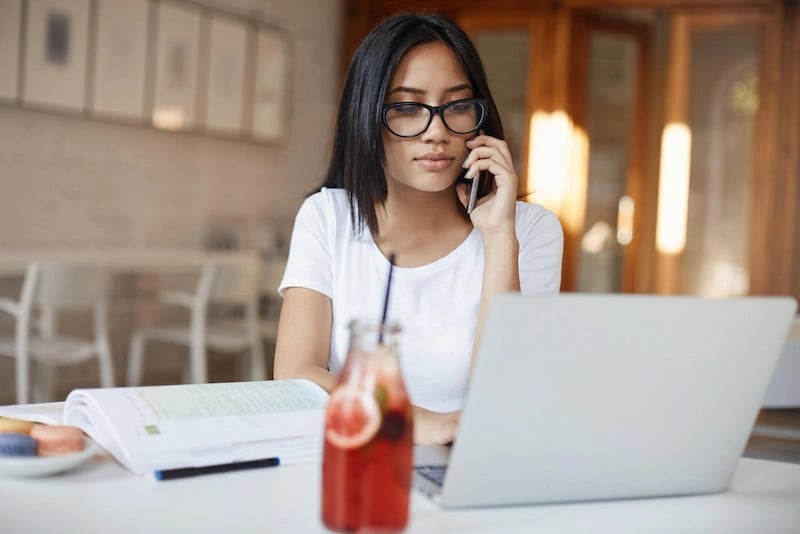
x: 435, y: 304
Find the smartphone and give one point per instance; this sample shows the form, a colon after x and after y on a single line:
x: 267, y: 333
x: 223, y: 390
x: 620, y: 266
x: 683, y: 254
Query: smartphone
x: 473, y: 193
x: 473, y: 190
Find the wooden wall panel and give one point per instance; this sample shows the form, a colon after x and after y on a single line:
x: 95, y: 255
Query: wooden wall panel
x: 789, y: 155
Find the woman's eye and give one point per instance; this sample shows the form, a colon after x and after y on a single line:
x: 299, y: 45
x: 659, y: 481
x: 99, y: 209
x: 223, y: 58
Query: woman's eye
x: 461, y: 107
x: 407, y: 108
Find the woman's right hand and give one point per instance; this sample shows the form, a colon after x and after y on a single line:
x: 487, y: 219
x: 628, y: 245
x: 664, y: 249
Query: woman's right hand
x: 494, y: 213
x: 434, y: 428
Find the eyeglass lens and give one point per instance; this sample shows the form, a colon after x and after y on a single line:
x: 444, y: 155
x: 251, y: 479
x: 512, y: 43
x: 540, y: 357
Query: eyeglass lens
x: 411, y: 119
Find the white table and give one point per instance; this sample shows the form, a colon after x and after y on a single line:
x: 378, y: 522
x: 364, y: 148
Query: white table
x: 101, y: 497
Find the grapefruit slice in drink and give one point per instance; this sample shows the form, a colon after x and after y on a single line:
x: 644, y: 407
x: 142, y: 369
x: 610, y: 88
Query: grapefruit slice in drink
x: 352, y: 418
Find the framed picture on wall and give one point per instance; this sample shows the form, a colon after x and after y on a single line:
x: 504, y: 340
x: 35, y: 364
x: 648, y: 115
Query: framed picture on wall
x: 225, y: 88
x: 55, y: 53
x: 176, y: 66
x: 271, y: 86
x: 120, y: 55
x: 10, y: 21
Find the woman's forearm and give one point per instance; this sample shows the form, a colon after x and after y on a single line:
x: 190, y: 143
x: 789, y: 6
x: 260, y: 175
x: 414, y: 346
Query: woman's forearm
x: 322, y: 377
x: 500, y: 275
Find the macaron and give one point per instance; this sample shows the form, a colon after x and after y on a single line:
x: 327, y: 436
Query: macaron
x: 15, y: 426
x: 17, y: 445
x: 54, y: 440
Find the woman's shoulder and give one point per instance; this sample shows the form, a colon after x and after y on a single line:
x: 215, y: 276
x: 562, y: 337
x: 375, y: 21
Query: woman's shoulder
x: 326, y: 203
x: 537, y: 224
x: 530, y: 213
x: 326, y: 197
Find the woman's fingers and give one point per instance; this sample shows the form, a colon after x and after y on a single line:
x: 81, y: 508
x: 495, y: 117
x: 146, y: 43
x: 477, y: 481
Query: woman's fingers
x: 496, y: 209
x: 490, y: 154
x: 434, y: 428
x: 481, y: 153
x: 492, y: 164
x: 484, y: 144
x: 501, y: 146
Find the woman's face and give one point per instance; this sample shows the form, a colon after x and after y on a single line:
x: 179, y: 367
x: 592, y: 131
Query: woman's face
x: 430, y: 74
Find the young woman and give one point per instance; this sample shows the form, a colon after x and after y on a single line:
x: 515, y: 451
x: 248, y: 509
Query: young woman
x: 416, y: 124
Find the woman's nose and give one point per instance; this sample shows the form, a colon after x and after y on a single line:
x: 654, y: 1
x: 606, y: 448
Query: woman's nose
x: 436, y: 130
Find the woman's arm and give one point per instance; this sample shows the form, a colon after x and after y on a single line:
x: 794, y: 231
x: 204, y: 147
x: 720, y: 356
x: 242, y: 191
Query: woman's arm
x: 500, y: 274
x: 302, y: 348
x: 494, y: 217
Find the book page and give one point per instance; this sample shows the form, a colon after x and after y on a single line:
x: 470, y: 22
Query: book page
x: 49, y: 413
x: 163, y: 427
x: 228, y: 399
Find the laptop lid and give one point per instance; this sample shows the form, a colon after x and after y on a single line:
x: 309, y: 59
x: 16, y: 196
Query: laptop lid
x: 587, y: 396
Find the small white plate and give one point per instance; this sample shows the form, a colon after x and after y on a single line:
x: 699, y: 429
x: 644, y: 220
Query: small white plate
x: 36, y: 466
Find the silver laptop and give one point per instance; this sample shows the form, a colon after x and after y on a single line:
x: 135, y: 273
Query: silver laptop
x: 586, y: 397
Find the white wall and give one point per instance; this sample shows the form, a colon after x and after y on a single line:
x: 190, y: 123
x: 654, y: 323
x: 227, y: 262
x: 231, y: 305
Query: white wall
x: 72, y: 181
x: 68, y: 181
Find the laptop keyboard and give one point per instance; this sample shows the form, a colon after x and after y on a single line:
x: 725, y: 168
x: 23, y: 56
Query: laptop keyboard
x: 434, y: 473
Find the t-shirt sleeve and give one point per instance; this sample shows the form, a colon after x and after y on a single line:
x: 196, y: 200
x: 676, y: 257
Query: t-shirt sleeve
x: 309, y: 262
x: 541, y: 246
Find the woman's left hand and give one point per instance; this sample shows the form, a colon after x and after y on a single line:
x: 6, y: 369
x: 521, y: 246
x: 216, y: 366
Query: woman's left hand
x: 434, y: 428
x: 495, y: 212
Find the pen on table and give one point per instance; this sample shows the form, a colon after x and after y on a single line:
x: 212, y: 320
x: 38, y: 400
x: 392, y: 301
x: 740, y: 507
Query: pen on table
x: 473, y: 193
x: 183, y: 472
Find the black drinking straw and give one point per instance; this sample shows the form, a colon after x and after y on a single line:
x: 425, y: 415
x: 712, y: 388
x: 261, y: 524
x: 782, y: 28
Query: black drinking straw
x: 386, y: 297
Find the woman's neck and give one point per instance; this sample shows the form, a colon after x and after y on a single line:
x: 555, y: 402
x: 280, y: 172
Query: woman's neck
x: 421, y: 228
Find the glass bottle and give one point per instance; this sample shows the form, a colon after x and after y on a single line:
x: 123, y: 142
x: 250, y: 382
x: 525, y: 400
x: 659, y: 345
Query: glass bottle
x: 367, y: 458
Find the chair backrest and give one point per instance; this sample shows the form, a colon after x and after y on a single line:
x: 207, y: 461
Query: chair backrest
x: 273, y: 275
x: 236, y: 282
x: 66, y: 284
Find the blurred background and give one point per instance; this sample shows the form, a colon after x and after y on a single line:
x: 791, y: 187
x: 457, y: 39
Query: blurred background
x: 665, y: 134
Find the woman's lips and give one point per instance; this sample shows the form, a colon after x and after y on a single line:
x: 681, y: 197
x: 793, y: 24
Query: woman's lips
x: 435, y: 161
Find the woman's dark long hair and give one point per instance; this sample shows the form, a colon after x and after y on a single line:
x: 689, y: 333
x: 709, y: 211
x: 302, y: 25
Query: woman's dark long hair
x: 357, y: 159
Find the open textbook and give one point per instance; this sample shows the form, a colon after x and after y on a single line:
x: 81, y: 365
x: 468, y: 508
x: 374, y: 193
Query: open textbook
x: 154, y: 428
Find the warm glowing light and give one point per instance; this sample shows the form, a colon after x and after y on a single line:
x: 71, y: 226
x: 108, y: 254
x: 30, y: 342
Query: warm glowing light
x: 548, y: 167
x: 558, y: 167
x: 625, y: 220
x: 598, y: 238
x: 168, y: 117
x: 573, y: 215
x: 673, y: 189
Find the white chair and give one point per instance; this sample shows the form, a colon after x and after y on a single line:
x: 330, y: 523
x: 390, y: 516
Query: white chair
x: 49, y: 287
x: 271, y: 303
x: 274, y: 267
x: 226, y: 283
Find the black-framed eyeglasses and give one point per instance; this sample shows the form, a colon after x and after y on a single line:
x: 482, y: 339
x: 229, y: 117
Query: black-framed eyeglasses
x: 410, y: 119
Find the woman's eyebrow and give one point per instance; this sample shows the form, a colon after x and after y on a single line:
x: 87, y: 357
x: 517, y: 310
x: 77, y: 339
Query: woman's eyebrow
x: 415, y: 91
x: 402, y: 89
